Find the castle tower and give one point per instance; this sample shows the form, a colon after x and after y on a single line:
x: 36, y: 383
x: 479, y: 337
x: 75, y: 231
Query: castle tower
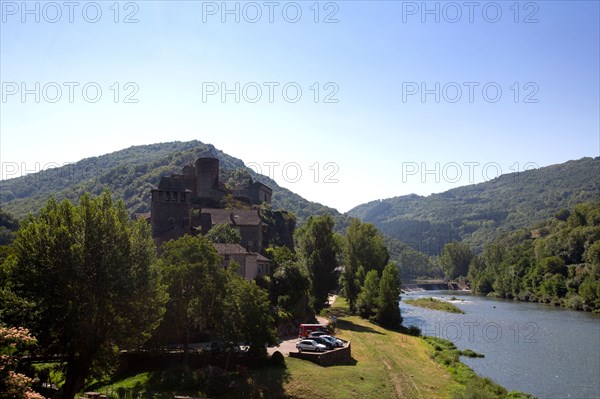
x: 207, y: 177
x: 170, y: 210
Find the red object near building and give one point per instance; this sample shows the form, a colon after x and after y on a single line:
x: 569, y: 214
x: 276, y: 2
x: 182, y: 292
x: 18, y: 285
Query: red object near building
x: 306, y: 329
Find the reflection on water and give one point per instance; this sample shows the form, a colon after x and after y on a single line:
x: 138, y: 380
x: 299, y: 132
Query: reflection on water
x: 547, y: 351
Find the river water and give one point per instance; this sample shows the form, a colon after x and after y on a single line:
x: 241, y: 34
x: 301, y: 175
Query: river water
x: 546, y: 351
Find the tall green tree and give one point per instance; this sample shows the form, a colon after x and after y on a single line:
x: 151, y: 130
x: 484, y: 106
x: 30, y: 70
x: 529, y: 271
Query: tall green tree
x: 318, y: 251
x: 364, y: 248
x: 367, y: 302
x: 191, y: 270
x: 388, y: 312
x: 8, y: 226
x: 224, y: 234
x: 290, y: 284
x: 455, y: 259
x: 246, y: 316
x: 88, y: 270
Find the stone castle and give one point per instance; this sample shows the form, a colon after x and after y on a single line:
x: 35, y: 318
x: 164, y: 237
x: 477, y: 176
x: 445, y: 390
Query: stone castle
x: 190, y: 203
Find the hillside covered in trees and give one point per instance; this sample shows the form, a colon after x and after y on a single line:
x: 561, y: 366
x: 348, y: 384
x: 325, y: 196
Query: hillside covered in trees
x: 131, y: 173
x: 556, y: 261
x: 478, y: 213
x: 414, y: 227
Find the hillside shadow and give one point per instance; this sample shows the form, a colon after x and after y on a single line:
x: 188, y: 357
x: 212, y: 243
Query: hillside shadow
x: 266, y: 382
x: 348, y: 325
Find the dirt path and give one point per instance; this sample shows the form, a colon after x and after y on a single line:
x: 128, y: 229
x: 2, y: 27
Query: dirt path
x: 285, y: 347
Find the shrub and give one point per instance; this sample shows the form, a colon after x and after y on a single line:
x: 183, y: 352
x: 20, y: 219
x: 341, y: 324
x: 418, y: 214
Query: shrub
x: 470, y: 353
x: 414, y: 331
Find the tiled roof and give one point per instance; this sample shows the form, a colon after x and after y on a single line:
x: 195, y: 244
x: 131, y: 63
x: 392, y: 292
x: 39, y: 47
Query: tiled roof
x: 258, y: 184
x: 144, y: 215
x: 230, y: 249
x: 240, y: 217
x: 261, y: 258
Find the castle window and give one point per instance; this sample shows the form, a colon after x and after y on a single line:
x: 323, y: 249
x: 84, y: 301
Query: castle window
x: 175, y: 197
x: 168, y: 196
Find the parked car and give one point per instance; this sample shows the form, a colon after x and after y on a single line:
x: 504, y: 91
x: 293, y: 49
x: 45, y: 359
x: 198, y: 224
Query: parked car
x: 328, y: 344
x: 317, y: 334
x: 333, y: 340
x: 310, y: 345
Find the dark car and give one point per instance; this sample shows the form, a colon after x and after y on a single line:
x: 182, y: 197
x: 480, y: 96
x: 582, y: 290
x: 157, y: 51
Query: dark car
x: 323, y: 341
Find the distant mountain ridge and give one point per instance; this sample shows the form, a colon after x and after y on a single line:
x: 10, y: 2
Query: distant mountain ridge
x: 476, y: 213
x: 130, y: 174
x: 480, y: 212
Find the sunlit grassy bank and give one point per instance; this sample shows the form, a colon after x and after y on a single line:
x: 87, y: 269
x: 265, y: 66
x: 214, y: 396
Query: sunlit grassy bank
x: 386, y: 364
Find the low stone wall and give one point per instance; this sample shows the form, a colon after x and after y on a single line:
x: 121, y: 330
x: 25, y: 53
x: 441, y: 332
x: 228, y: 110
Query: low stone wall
x: 328, y: 358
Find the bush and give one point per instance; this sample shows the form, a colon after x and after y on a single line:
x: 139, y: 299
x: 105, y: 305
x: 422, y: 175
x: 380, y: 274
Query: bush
x: 217, y: 380
x: 470, y: 353
x: 414, y: 331
x: 575, y: 302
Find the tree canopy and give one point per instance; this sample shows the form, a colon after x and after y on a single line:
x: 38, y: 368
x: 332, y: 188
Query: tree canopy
x: 318, y: 250
x: 364, y: 247
x: 455, y: 260
x: 88, y: 270
x: 388, y: 311
x: 224, y: 234
x: 191, y: 270
x: 554, y: 261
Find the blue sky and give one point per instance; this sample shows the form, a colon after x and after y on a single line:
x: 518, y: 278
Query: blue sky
x: 508, y: 86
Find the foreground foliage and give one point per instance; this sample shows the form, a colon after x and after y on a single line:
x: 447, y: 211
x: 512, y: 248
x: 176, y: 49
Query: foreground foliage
x: 87, y: 272
x: 13, y: 344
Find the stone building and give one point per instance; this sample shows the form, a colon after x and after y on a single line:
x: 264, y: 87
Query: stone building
x: 252, y: 264
x: 246, y: 221
x: 190, y: 202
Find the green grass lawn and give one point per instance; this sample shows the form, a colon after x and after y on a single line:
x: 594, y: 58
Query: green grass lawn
x: 386, y: 364
x: 433, y: 303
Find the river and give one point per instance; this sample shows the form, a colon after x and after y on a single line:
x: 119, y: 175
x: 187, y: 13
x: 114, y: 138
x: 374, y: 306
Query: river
x: 546, y: 351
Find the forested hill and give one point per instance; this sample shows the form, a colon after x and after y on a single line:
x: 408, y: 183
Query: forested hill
x: 130, y: 174
x: 478, y: 213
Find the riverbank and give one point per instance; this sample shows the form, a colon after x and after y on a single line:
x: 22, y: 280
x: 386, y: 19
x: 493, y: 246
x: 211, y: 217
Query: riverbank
x: 543, y: 350
x: 386, y: 364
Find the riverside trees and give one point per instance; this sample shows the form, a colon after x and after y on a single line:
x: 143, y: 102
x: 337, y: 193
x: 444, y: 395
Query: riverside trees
x: 364, y: 249
x: 318, y: 251
x: 556, y: 261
